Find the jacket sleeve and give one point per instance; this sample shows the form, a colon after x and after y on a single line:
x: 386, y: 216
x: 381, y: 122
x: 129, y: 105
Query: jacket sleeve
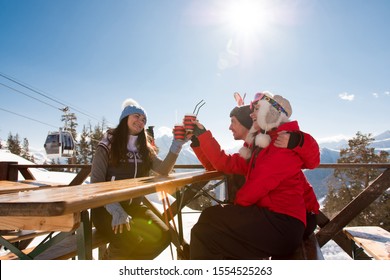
x: 230, y: 164
x: 163, y: 167
x: 309, y: 151
x: 99, y: 165
x: 203, y: 159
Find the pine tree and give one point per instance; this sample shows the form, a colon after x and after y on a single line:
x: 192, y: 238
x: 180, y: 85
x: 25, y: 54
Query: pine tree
x: 83, y: 148
x: 70, y: 122
x: 354, y: 180
x: 96, y: 135
x: 13, y: 143
x: 25, y: 152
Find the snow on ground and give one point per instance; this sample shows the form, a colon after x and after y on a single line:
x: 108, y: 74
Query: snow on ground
x: 331, y: 250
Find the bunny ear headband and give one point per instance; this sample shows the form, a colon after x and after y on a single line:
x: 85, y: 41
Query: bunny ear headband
x: 239, y: 99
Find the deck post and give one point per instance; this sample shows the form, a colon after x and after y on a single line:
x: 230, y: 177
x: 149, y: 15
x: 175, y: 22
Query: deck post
x: 7, y: 171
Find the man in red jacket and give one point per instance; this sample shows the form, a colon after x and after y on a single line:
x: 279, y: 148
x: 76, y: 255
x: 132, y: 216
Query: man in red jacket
x: 302, y: 143
x: 269, y: 214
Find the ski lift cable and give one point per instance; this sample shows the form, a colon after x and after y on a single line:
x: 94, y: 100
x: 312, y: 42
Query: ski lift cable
x: 45, y: 95
x: 18, y: 91
x: 5, y: 110
x: 41, y: 122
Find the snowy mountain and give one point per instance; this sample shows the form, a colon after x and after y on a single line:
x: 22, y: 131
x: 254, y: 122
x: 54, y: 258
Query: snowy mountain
x: 318, y: 177
x: 381, y: 142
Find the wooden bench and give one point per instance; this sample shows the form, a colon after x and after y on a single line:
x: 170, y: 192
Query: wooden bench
x: 308, y: 250
x: 66, y: 249
x: 21, y: 235
x: 375, y: 241
x: 21, y: 238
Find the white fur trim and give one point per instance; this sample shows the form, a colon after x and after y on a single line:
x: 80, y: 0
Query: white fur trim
x: 251, y: 136
x: 266, y: 112
x: 245, y: 152
x: 262, y: 114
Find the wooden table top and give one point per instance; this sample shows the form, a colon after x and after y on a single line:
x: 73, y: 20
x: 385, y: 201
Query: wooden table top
x: 25, y: 185
x: 375, y: 240
x: 67, y: 200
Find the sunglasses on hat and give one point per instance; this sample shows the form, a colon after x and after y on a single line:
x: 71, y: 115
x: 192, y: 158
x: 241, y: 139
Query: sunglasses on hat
x: 261, y: 96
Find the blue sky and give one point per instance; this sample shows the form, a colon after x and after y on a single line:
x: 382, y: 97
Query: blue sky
x: 330, y: 58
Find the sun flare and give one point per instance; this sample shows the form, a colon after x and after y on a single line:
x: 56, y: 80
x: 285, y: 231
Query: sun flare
x: 247, y: 17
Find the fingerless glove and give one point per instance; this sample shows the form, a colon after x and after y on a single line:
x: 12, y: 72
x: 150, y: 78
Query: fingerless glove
x: 119, y: 215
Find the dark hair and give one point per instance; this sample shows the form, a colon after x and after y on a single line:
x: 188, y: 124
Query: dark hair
x: 119, y: 139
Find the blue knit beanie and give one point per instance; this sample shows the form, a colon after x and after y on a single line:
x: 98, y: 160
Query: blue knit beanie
x: 131, y: 107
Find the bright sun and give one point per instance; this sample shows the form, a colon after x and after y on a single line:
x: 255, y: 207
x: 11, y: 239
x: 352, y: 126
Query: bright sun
x: 247, y: 16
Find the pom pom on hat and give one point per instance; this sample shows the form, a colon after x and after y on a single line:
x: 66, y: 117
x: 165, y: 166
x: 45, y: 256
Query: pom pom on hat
x: 130, y: 107
x: 129, y: 102
x: 242, y: 113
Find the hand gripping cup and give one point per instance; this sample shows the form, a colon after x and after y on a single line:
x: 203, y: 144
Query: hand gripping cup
x: 179, y: 132
x: 188, y: 124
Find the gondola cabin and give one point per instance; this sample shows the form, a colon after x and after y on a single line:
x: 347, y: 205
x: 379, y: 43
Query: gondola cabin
x: 59, y: 144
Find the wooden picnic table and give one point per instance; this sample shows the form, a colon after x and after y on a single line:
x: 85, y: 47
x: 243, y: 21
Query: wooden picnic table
x: 25, y: 185
x: 65, y: 209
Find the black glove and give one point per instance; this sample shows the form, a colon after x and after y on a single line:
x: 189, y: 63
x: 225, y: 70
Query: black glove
x: 195, y: 141
x: 296, y: 138
x: 198, y: 131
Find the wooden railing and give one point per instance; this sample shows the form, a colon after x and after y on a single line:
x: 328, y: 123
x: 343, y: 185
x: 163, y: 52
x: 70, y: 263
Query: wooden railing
x: 332, y: 228
x: 329, y: 229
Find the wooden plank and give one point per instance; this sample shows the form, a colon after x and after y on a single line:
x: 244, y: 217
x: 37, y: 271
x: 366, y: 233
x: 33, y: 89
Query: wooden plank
x: 20, y: 235
x: 42, y: 183
x: 26, y: 185
x: 66, y: 200
x: 81, y: 176
x: 308, y: 250
x: 26, y: 173
x: 311, y: 249
x: 374, y: 240
x: 12, y: 256
x: 63, y: 250
x: 11, y: 187
x: 66, y: 223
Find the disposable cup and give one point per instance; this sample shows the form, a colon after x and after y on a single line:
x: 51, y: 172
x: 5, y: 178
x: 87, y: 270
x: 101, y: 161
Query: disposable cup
x: 188, y: 124
x: 179, y: 132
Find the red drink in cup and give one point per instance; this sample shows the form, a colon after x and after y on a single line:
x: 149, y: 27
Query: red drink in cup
x: 179, y: 132
x: 188, y: 124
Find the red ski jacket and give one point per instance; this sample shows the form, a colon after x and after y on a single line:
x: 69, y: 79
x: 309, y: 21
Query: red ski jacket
x: 274, y: 179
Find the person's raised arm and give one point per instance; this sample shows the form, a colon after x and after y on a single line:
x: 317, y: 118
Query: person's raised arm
x: 303, y: 144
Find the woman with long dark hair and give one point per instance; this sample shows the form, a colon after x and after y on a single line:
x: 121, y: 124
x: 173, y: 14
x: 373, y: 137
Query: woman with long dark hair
x: 125, y: 152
